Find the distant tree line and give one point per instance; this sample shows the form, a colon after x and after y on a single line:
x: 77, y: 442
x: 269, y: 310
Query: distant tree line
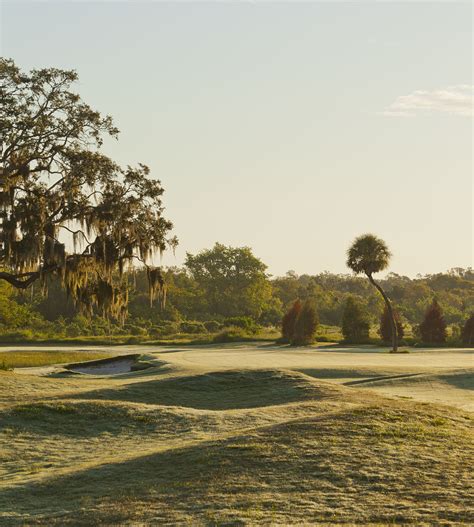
x: 74, y: 226
x: 225, y: 286
x: 73, y: 220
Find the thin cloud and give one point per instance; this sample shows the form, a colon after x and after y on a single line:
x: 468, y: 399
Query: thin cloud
x: 456, y: 100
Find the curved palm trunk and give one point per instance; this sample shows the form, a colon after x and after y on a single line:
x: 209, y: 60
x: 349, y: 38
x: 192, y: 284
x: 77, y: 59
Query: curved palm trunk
x: 390, y: 312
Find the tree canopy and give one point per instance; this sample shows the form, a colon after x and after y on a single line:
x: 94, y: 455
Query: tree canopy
x: 233, y: 279
x: 66, y: 208
x: 368, y: 254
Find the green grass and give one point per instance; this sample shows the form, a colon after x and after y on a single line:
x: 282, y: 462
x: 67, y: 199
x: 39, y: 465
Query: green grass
x: 239, y: 447
x: 215, y: 391
x: 27, y: 359
x: 324, y: 334
x: 119, y: 340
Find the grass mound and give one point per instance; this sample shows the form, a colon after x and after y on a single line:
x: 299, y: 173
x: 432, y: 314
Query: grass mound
x: 391, y: 463
x: 175, y: 446
x: 218, y: 390
x: 88, y: 418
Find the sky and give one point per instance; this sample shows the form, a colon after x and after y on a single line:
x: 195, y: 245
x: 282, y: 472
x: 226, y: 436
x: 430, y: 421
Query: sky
x: 287, y: 127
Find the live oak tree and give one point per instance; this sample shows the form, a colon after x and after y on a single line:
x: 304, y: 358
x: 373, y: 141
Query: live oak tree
x: 66, y: 208
x: 369, y: 254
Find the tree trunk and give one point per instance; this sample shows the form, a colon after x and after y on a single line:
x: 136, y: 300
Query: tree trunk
x: 390, y: 312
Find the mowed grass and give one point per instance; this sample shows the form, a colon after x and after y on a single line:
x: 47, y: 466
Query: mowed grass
x: 241, y: 447
x: 28, y: 359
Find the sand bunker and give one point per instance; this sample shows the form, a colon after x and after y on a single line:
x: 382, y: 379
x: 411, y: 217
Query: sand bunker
x: 112, y: 366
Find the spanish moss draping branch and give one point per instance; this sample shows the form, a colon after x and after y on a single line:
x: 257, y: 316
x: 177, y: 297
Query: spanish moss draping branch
x: 65, y: 207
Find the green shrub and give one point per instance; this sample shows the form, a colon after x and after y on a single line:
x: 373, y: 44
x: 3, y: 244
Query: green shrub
x: 324, y: 338
x: 4, y: 366
x: 272, y: 313
x: 134, y: 340
x: 433, y: 327
x: 454, y: 335
x: 245, y: 323
x: 306, y: 325
x: 169, y: 328
x: 164, y: 329
x: 136, y: 330
x: 192, y: 327
x: 231, y: 334
x: 73, y: 330
x: 155, y: 331
x: 16, y: 336
x: 212, y: 326
x: 289, y: 320
x: 467, y: 332
x: 355, y: 322
x: 385, y: 328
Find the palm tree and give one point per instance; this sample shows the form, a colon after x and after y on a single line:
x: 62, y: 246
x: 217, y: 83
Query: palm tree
x: 369, y: 254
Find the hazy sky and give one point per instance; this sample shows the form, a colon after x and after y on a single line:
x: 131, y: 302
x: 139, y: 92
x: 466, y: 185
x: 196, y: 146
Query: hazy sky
x: 287, y: 127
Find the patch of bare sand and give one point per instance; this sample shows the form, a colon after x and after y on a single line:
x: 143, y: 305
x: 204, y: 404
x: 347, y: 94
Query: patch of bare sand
x: 107, y: 367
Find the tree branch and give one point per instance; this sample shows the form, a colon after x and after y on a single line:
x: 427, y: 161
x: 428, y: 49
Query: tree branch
x: 78, y: 231
x: 16, y: 281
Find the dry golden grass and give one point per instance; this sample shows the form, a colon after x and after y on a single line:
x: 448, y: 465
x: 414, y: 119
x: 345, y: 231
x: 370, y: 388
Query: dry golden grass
x: 240, y: 447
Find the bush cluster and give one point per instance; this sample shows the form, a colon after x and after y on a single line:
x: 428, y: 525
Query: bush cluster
x: 355, y: 322
x: 192, y: 327
x: 433, y: 328
x: 231, y: 334
x: 300, y: 323
x: 245, y: 323
x: 385, y: 328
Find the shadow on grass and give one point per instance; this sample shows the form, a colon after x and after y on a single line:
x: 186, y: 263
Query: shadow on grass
x: 215, y: 391
x: 462, y: 379
x: 339, y: 373
x: 353, y: 459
